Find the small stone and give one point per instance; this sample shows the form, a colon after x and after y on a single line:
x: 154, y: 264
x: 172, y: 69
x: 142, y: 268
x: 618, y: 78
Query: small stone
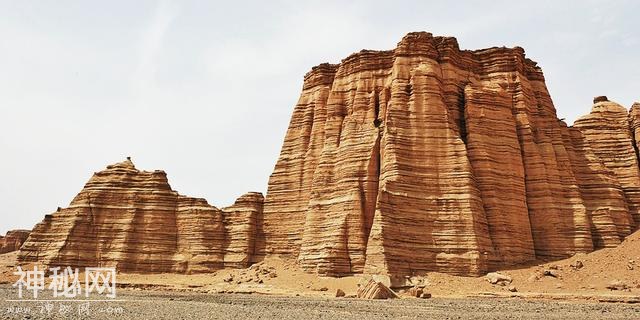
x: 617, y: 285
x: 577, y: 265
x: 340, y: 293
x: 415, y: 291
x: 497, y: 278
x: 324, y: 289
x: 600, y: 99
x: 513, y: 289
x: 425, y: 295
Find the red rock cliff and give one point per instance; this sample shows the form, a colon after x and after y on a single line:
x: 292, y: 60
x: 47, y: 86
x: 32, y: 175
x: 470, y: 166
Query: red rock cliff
x: 431, y: 158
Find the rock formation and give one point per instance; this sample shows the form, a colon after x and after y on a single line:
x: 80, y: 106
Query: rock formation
x: 431, y: 158
x: 372, y: 289
x: 241, y: 223
x: 13, y: 240
x: 132, y: 220
x: 396, y: 163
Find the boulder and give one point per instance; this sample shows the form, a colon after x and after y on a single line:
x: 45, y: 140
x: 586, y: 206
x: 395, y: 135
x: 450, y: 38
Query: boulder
x: 497, y: 278
x: 372, y: 289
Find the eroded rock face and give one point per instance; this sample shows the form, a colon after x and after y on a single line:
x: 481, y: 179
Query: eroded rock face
x: 395, y: 163
x: 431, y: 158
x: 241, y: 228
x: 13, y: 240
x: 132, y: 220
x: 606, y: 129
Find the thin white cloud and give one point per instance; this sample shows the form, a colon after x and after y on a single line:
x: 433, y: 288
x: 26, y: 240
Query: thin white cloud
x: 143, y: 79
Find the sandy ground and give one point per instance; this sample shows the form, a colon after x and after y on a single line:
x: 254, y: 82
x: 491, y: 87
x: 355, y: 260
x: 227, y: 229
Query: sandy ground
x: 274, y: 283
x: 134, y: 304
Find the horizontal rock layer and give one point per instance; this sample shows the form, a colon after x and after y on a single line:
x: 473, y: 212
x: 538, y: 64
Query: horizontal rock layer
x: 372, y: 289
x: 400, y: 162
x: 132, y: 220
x: 431, y: 158
x: 13, y: 240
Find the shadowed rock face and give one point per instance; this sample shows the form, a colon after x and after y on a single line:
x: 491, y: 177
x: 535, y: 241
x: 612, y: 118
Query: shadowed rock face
x: 431, y: 158
x: 132, y: 220
x: 13, y: 240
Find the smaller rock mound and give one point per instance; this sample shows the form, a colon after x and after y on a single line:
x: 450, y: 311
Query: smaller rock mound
x: 13, y: 240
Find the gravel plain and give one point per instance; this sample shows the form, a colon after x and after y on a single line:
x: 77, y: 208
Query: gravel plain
x: 137, y: 304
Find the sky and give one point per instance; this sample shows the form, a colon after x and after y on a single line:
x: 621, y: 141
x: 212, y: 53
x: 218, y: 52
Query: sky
x: 204, y: 89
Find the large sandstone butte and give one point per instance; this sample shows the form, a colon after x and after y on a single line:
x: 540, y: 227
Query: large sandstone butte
x: 13, y: 240
x: 431, y: 158
x: 422, y: 158
x: 132, y: 220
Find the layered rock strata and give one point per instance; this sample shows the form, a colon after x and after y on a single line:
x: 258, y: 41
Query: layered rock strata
x: 372, y: 289
x: 400, y: 162
x: 134, y: 221
x: 431, y: 158
x: 241, y: 228
x: 607, y: 129
x: 13, y: 240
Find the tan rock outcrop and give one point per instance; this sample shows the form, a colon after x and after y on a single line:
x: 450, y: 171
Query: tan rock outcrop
x: 603, y: 196
x: 241, y: 223
x: 606, y: 129
x: 13, y: 240
x: 371, y: 289
x: 132, y: 220
x: 431, y: 158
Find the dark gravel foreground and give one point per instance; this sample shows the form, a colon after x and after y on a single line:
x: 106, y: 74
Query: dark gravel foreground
x: 168, y: 305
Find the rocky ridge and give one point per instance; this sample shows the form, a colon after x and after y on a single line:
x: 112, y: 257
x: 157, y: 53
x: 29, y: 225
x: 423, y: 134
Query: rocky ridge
x: 134, y: 221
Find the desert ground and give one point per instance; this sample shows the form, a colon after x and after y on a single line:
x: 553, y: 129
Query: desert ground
x: 601, y: 284
x: 153, y: 304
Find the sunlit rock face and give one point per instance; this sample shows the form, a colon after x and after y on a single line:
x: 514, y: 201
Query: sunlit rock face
x: 417, y: 159
x: 431, y: 158
x: 134, y: 221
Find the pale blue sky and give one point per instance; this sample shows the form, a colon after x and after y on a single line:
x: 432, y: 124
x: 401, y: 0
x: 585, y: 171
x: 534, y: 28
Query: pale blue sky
x: 205, y: 89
